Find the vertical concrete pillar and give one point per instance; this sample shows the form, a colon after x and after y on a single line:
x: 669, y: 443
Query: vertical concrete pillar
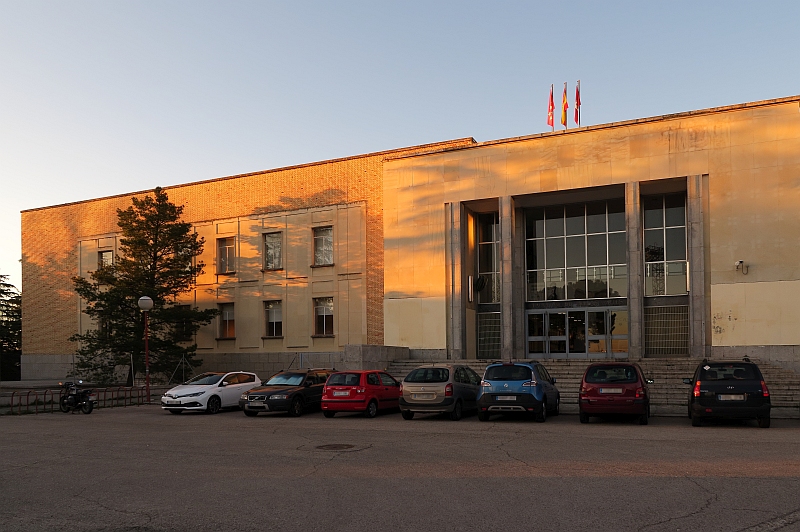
x: 507, y: 233
x: 456, y: 309
x: 699, y: 307
x: 633, y: 227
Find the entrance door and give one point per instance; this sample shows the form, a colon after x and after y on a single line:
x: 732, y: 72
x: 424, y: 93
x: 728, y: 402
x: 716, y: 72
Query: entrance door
x: 577, y: 333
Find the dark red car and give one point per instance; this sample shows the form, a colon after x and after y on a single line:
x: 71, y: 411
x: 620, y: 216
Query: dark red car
x: 614, y: 388
x: 360, y: 391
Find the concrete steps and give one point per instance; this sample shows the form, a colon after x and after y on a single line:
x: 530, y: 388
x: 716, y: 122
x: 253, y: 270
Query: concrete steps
x: 668, y: 392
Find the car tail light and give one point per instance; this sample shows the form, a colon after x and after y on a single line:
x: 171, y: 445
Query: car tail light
x: 530, y: 383
x: 583, y: 391
x: 401, y: 388
x: 324, y: 390
x: 696, y: 391
x: 360, y: 390
x: 448, y: 390
x: 764, y: 389
x: 639, y: 393
x: 486, y: 384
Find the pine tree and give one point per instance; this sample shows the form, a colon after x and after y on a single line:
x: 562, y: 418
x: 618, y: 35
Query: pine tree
x: 10, y: 329
x: 157, y: 258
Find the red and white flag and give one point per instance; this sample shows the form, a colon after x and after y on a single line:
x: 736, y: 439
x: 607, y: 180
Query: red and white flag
x: 578, y: 103
x: 550, y: 109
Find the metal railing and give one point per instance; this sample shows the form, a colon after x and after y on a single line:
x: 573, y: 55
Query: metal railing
x: 44, y: 401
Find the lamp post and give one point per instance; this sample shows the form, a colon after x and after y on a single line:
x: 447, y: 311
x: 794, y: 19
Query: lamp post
x: 146, y: 305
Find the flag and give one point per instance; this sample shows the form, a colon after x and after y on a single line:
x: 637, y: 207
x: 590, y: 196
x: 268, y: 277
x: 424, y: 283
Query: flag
x: 550, y: 108
x: 564, y: 106
x: 578, y: 103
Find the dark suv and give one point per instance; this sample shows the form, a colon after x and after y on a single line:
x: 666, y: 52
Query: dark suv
x: 728, y: 390
x: 293, y: 391
x: 518, y: 387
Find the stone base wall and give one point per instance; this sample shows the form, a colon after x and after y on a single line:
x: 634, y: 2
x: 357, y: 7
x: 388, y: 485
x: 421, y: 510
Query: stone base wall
x: 787, y: 356
x: 45, y: 367
x: 428, y: 354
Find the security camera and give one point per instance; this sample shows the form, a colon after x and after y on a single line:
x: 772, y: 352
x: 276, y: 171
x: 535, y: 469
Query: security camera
x: 738, y: 264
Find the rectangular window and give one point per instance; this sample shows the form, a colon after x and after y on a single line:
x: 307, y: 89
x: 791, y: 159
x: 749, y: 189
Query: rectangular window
x: 665, y: 245
x: 323, y: 246
x: 489, y: 258
x: 105, y: 259
x: 323, y: 316
x: 226, y: 255
x: 274, y: 317
x: 227, y: 323
x: 184, y: 329
x: 272, y: 251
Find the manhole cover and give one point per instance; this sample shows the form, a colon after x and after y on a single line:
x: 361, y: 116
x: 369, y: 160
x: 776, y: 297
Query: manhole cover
x: 335, y: 447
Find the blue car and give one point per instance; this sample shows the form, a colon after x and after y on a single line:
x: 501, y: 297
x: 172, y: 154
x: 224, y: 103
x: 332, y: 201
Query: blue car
x: 518, y: 387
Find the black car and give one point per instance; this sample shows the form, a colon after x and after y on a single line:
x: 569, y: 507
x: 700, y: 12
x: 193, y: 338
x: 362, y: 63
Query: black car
x: 728, y: 390
x: 292, y: 391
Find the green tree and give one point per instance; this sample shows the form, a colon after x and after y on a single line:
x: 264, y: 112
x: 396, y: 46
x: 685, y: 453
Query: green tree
x: 157, y: 258
x: 10, y: 329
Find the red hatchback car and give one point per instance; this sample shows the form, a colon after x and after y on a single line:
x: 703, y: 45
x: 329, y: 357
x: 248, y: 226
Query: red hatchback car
x: 360, y: 391
x: 614, y: 388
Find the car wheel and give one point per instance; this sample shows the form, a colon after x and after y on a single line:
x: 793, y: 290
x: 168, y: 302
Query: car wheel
x: 174, y: 411
x: 87, y: 407
x: 214, y: 405
x: 407, y: 414
x: 455, y: 415
x: 296, y: 408
x: 584, y: 417
x: 763, y: 422
x: 483, y: 416
x: 328, y: 413
x: 372, y: 409
x: 644, y: 418
x: 695, y: 421
x: 542, y: 416
x: 63, y: 406
x: 557, y: 410
x: 249, y: 413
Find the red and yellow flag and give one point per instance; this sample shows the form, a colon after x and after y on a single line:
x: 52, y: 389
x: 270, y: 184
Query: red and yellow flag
x: 564, y: 106
x: 550, y: 109
x: 578, y: 103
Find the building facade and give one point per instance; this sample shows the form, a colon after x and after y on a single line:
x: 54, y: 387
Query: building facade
x: 668, y: 236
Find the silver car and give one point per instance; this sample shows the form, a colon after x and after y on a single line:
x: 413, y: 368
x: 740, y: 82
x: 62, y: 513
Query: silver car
x: 440, y: 388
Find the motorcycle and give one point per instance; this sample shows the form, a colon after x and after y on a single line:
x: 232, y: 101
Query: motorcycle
x: 75, y: 398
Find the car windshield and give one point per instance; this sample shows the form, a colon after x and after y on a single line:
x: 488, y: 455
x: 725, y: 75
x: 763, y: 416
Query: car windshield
x: 344, y: 379
x: 287, y: 379
x: 205, y: 378
x: 605, y: 374
x: 428, y: 375
x: 508, y: 373
x: 728, y: 372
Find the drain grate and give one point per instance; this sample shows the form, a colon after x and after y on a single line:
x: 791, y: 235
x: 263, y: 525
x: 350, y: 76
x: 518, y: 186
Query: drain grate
x: 335, y: 447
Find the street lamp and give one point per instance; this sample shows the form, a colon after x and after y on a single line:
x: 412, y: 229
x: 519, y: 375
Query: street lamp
x: 146, y: 304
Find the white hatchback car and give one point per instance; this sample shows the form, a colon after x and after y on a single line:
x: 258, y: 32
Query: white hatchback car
x: 209, y: 392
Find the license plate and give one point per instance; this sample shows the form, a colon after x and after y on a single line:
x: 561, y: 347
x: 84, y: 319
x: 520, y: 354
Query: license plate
x: 731, y: 397
x: 422, y: 396
x: 256, y: 403
x: 506, y: 397
x: 341, y: 394
x: 172, y: 402
x: 610, y: 390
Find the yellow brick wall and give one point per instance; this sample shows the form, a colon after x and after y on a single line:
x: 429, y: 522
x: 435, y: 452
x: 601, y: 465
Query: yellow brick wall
x: 50, y: 235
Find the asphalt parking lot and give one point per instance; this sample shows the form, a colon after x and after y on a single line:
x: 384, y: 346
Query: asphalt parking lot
x: 139, y: 468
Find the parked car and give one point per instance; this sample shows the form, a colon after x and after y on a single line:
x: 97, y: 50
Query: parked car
x: 614, y: 388
x: 518, y: 387
x: 729, y: 390
x: 209, y: 392
x: 292, y: 391
x: 365, y: 391
x: 438, y: 388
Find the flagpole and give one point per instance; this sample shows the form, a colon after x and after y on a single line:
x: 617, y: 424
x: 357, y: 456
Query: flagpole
x: 578, y: 106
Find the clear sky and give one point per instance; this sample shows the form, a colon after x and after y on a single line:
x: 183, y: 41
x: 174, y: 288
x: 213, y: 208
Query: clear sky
x: 100, y: 98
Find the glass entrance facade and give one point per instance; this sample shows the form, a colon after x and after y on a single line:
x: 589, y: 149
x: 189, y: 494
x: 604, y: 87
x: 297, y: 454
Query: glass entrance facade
x: 577, y: 333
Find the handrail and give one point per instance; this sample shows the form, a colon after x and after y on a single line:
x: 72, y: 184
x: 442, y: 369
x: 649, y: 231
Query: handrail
x: 115, y: 396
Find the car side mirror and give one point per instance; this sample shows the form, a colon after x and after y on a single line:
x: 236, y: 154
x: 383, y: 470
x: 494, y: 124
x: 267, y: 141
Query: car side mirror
x: 687, y: 381
x: 223, y: 384
x: 650, y: 381
x: 553, y: 380
x: 307, y: 384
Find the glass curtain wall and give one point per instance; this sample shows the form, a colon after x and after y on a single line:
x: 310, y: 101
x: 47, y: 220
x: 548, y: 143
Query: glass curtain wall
x: 665, y: 245
x: 488, y: 286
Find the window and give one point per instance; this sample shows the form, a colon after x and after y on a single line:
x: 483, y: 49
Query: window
x: 105, y: 259
x: 227, y: 323
x: 576, y: 251
x: 323, y: 246
x: 489, y: 257
x: 387, y: 380
x: 373, y: 380
x: 226, y: 255
x: 665, y: 267
x: 184, y: 329
x: 274, y: 317
x: 323, y: 316
x: 272, y: 251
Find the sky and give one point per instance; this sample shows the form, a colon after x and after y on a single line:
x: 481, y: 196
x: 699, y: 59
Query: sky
x: 100, y: 98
